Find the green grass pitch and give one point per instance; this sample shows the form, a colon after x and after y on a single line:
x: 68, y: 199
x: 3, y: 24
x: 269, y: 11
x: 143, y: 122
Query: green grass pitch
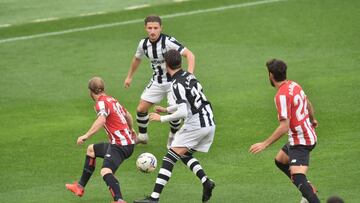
x: 44, y: 102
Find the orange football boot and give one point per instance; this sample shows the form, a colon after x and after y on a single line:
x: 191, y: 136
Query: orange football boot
x: 75, y: 188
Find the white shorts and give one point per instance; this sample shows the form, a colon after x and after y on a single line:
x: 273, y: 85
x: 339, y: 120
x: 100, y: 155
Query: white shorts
x: 155, y: 92
x: 199, y: 139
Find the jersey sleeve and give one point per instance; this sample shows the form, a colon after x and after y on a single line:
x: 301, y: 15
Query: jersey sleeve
x: 171, y: 109
x: 179, y: 93
x: 283, y: 106
x: 181, y: 112
x: 172, y: 43
x: 140, y: 51
x: 101, y: 109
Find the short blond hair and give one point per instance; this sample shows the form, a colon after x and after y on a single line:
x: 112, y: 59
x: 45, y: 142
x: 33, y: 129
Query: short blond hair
x: 96, y: 85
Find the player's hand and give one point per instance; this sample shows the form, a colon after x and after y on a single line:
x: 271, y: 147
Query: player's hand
x: 314, y: 123
x: 154, y: 117
x: 160, y: 109
x: 81, y: 140
x: 133, y: 134
x: 258, y: 147
x: 127, y: 82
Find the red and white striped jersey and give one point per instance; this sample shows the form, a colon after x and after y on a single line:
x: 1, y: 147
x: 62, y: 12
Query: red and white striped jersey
x: 116, y: 126
x: 291, y: 103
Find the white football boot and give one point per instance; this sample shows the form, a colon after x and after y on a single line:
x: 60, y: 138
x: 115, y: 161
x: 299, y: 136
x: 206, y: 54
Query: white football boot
x: 142, y: 138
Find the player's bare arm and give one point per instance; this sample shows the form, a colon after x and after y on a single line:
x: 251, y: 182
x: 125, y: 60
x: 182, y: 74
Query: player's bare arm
x: 310, y: 109
x: 160, y: 109
x: 190, y: 59
x: 129, y: 120
x: 169, y: 109
x: 133, y: 67
x: 96, y: 126
x: 279, y: 132
x: 154, y: 117
x: 178, y: 112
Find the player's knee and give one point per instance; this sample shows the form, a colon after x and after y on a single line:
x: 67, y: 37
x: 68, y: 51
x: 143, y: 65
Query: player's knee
x: 105, y: 171
x: 282, y: 157
x: 144, y: 106
x: 141, y: 108
x: 90, y: 151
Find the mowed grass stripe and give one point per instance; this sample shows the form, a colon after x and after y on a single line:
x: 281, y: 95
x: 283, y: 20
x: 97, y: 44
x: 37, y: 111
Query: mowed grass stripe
x: 101, y: 26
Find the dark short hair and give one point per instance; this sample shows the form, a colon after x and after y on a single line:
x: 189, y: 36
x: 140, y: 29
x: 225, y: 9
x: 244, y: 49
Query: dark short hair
x: 277, y: 68
x: 335, y: 199
x: 152, y: 18
x: 173, y: 59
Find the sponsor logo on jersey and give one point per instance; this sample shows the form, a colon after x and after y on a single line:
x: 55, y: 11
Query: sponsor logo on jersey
x: 157, y: 61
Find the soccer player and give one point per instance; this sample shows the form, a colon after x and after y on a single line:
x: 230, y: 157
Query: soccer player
x: 196, y: 134
x: 296, y: 117
x: 117, y: 122
x: 154, y: 47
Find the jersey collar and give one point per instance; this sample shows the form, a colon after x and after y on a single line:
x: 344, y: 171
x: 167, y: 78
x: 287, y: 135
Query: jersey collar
x: 101, y: 96
x: 158, y: 39
x: 178, y: 74
x: 282, y: 84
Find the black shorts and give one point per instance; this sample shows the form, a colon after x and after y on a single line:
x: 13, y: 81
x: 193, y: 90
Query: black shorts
x: 115, y: 155
x: 100, y: 149
x: 299, y: 155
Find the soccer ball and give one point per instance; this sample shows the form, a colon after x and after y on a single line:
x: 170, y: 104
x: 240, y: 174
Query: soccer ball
x: 146, y: 162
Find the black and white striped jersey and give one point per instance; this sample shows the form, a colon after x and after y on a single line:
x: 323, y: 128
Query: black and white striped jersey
x: 155, y: 52
x: 187, y: 89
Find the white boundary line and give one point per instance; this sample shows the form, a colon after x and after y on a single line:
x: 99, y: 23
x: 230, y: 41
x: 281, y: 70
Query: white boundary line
x: 137, y: 7
x: 93, y: 13
x: 101, y: 26
x: 45, y: 19
x: 179, y: 1
x: 5, y: 25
